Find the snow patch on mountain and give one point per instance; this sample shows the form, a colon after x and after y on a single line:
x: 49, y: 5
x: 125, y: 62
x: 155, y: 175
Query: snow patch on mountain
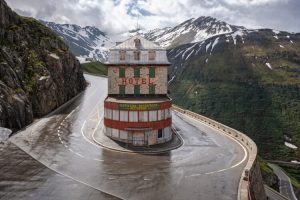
x: 190, y: 31
x: 269, y: 66
x: 85, y: 42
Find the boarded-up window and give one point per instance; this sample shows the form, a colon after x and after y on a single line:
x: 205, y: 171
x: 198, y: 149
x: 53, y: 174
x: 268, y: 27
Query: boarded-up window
x: 151, y: 89
x: 167, y: 132
x: 136, y: 89
x: 121, y: 72
x: 108, y: 113
x: 116, y: 115
x: 115, y: 133
x: 122, y: 55
x: 143, y: 116
x: 122, y: 90
x: 167, y: 113
x: 151, y: 55
x: 108, y: 131
x: 152, y: 72
x: 133, y: 116
x: 159, y: 115
x: 123, y: 116
x: 152, y: 115
x: 136, y: 55
x: 123, y: 135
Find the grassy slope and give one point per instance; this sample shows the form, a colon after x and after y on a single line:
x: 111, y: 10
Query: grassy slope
x: 97, y: 68
x: 237, y: 88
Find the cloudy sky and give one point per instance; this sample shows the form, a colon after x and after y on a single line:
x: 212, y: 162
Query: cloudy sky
x: 118, y: 16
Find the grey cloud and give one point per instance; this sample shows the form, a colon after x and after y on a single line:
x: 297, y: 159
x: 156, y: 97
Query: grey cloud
x: 282, y: 15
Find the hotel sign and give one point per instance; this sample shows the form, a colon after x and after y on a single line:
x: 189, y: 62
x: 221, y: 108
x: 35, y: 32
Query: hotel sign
x: 141, y: 107
x: 136, y: 81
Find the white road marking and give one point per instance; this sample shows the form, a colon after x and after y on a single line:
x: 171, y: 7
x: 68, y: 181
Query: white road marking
x: 225, y: 169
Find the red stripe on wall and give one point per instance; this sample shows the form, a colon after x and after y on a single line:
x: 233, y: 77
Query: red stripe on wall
x: 127, y: 125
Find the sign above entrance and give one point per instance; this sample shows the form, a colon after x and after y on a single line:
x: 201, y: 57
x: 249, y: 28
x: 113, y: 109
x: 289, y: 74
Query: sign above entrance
x: 140, y: 107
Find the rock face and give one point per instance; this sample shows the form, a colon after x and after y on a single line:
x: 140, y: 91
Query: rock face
x: 37, y: 71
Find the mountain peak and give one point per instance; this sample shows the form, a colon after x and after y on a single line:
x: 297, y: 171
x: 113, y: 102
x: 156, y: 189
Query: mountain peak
x: 191, y: 30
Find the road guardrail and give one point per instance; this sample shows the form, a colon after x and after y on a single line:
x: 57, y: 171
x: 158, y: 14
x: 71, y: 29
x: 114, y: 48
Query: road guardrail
x: 244, y: 185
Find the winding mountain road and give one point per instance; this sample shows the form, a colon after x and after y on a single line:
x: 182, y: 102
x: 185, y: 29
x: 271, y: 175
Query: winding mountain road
x: 55, y: 158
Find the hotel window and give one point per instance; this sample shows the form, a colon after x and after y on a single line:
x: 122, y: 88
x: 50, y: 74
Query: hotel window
x: 167, y: 113
x: 133, y: 116
x: 159, y: 115
x: 116, y: 115
x: 163, y: 114
x: 136, y: 55
x: 137, y: 43
x: 123, y: 135
x: 152, y: 115
x: 151, y: 55
x: 136, y: 89
x: 122, y: 90
x: 151, y: 89
x: 136, y: 72
x: 108, y: 113
x: 115, y: 133
x: 122, y: 55
x: 166, y: 132
x: 143, y: 116
x: 159, y: 133
x: 108, y: 131
x: 122, y: 72
x: 152, y: 72
x: 123, y: 116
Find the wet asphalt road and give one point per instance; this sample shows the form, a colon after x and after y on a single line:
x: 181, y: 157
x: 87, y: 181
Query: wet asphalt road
x: 53, y: 159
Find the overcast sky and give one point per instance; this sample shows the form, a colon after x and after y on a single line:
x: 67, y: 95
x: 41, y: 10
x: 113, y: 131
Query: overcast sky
x: 118, y: 16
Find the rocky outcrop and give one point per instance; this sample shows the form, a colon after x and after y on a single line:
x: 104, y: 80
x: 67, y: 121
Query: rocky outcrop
x: 37, y: 71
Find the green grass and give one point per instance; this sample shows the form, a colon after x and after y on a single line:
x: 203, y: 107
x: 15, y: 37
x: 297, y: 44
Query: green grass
x: 264, y: 166
x: 96, y: 68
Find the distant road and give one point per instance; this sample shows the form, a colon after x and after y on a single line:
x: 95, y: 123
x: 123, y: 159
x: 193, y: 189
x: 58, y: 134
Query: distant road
x: 274, y: 195
x: 53, y: 159
x: 285, y: 186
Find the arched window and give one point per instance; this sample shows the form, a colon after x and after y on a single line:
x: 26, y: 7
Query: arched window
x: 137, y: 43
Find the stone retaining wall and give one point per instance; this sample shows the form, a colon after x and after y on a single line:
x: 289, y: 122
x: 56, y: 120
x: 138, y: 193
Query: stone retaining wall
x: 251, y: 185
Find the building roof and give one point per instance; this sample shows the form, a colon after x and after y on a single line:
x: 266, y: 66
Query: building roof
x: 130, y: 44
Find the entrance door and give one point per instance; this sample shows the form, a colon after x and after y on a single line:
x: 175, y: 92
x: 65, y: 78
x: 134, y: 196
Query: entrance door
x: 138, y: 138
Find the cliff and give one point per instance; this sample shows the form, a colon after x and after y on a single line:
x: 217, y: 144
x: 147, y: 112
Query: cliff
x: 37, y: 71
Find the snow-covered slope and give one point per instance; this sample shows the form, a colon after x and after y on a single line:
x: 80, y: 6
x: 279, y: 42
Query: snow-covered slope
x: 190, y: 31
x: 86, y: 41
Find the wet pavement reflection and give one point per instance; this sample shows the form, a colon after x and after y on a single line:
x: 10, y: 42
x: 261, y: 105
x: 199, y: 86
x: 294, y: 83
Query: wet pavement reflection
x: 62, y: 163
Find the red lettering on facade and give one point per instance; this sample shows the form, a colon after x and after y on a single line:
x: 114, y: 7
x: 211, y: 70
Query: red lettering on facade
x: 130, y: 80
x: 144, y: 81
x: 123, y: 81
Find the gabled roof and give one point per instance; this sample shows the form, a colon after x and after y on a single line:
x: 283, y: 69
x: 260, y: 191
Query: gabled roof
x: 130, y: 44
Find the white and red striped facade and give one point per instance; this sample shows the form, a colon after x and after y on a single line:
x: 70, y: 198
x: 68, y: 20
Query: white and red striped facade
x: 138, y: 109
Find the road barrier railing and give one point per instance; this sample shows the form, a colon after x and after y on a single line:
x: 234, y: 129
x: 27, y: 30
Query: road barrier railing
x: 244, y: 185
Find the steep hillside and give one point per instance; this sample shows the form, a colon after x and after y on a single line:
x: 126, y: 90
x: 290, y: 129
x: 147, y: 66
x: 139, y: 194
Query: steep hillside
x: 37, y: 71
x: 190, y: 31
x: 96, y: 68
x: 86, y: 41
x: 249, y: 80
